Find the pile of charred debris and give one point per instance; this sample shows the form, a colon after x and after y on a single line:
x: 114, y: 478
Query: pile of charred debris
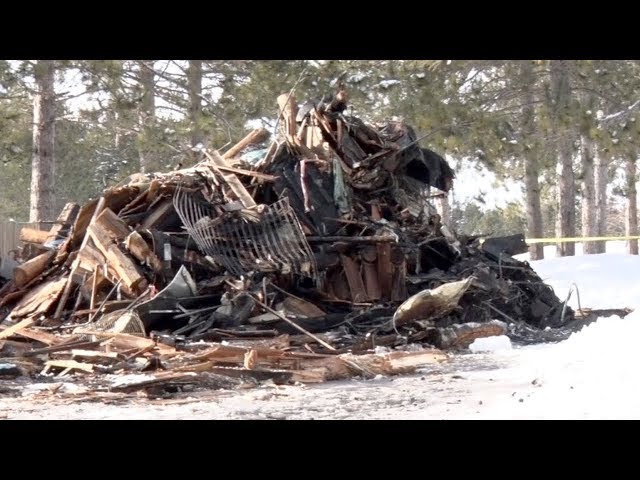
x: 314, y: 256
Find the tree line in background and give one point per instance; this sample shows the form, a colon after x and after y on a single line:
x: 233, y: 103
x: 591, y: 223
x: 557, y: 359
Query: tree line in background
x: 565, y: 130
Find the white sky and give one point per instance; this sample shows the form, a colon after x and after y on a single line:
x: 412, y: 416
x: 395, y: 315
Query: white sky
x: 470, y: 183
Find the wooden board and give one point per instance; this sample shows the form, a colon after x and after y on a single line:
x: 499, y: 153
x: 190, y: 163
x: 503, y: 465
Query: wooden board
x: 159, y: 213
x: 70, y: 364
x: 29, y: 270
x: 354, y: 279
x: 90, y: 258
x: 112, y: 224
x: 156, y: 380
x: 124, y: 266
x: 125, y: 341
x: 94, y: 354
x: 141, y: 250
x: 7, y: 332
x: 40, y: 299
x: 258, y: 135
x: 215, y: 161
x: 40, y: 336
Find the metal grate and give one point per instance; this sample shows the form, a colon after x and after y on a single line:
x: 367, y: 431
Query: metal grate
x: 244, y: 241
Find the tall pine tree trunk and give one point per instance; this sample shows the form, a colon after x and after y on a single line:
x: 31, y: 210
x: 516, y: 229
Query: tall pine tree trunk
x: 589, y: 207
x: 631, y: 213
x: 146, y: 115
x: 561, y: 97
x: 194, y: 86
x: 531, y: 164
x: 43, y: 201
x: 601, y: 180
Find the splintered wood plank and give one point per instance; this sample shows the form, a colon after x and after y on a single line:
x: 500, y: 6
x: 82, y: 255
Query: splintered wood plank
x: 44, y: 337
x: 40, y: 299
x: 158, y: 214
x: 250, y: 359
x: 117, y: 197
x: 112, y: 224
x: 258, y: 135
x: 289, y: 110
x: 401, y: 360
x: 94, y: 354
x: 261, y: 364
x: 90, y: 258
x: 139, y: 202
x: 94, y: 287
x: 233, y: 354
x: 29, y: 270
x: 215, y: 161
x: 236, y: 186
x: 395, y: 363
x: 124, y: 266
x: 153, y: 191
x: 70, y: 364
x: 155, y: 380
x: 141, y: 250
x: 79, y: 234
x: 125, y: 341
x: 87, y: 213
x: 7, y: 332
x: 356, y: 285
x: 249, y: 173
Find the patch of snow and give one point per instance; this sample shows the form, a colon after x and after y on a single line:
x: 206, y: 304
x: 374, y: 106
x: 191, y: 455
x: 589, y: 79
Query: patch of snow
x: 122, y: 380
x: 381, y: 350
x: 388, y: 83
x: 491, y: 344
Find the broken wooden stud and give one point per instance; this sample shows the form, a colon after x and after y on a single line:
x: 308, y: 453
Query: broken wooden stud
x: 67, y: 288
x: 29, y: 270
x: 258, y: 135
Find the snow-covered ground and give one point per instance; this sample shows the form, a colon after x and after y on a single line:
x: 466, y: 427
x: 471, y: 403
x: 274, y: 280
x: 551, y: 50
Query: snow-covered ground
x: 593, y: 374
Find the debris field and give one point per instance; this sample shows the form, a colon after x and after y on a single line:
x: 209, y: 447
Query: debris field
x: 313, y: 256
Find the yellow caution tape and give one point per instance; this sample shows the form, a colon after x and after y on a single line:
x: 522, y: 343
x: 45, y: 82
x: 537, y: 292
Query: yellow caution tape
x: 578, y: 239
